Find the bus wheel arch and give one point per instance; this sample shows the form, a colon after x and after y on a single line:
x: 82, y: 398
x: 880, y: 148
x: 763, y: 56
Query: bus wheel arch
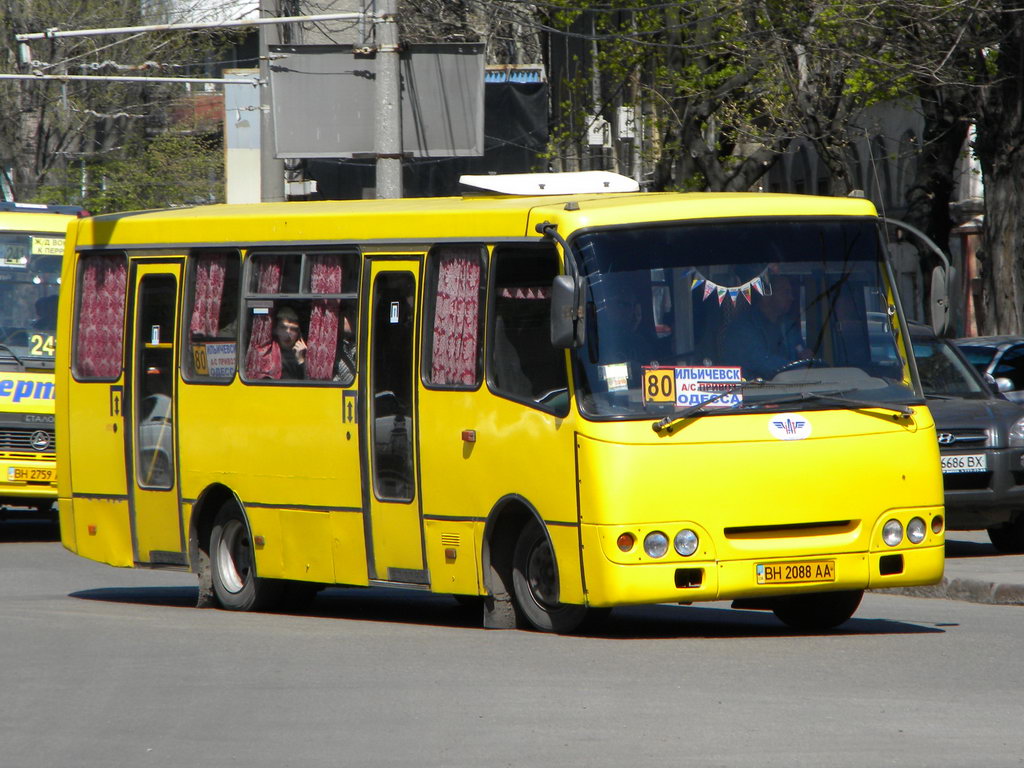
x: 222, y: 555
x: 521, y: 572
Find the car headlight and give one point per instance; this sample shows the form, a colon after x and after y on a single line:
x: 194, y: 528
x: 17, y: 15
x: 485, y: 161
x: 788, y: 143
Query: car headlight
x: 1017, y: 434
x: 685, y: 542
x: 892, y: 532
x: 656, y: 544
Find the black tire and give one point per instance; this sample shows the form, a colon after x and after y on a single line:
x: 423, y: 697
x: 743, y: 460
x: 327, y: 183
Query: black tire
x: 1009, y: 537
x: 233, y: 567
x: 535, y: 583
x: 818, y: 611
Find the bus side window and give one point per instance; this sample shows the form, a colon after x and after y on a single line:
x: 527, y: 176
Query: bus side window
x: 522, y: 363
x: 453, y: 332
x: 212, y: 309
x: 99, y: 316
x: 315, y: 291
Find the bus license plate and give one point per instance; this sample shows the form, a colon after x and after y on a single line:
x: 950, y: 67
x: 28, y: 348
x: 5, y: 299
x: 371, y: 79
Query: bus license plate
x: 26, y: 474
x: 975, y: 462
x: 798, y: 572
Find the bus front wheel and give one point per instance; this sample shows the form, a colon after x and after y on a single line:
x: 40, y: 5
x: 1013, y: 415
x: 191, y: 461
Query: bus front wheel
x: 535, y: 583
x: 233, y: 567
x: 817, y: 611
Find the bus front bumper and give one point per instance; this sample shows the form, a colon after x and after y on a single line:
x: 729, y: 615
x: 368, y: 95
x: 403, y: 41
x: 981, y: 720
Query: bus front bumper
x: 611, y: 584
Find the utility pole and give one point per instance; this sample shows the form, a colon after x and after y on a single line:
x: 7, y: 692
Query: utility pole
x: 271, y: 168
x: 389, y: 103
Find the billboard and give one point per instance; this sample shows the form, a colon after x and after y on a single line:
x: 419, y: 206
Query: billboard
x: 323, y: 99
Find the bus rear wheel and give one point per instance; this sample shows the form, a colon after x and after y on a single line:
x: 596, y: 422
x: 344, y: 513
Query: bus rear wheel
x: 233, y: 567
x: 535, y: 583
x: 818, y: 611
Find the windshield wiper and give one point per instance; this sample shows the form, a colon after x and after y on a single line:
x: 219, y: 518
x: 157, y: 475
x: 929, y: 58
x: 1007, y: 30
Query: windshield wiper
x: 9, y: 351
x: 837, y: 397
x: 693, y: 410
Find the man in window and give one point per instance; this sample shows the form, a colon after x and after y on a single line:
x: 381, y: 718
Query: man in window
x: 288, y: 337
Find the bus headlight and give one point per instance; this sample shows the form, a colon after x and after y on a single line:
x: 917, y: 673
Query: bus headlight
x: 916, y: 530
x: 892, y: 532
x: 656, y: 544
x: 685, y: 542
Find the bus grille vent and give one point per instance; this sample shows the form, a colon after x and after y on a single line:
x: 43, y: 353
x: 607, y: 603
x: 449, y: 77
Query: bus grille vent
x: 24, y: 441
x: 790, y: 529
x: 449, y: 539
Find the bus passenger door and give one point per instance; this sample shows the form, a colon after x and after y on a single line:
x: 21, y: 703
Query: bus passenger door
x: 394, y: 529
x: 157, y: 534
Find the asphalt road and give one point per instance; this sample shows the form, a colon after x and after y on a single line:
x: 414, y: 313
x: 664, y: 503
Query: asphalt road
x: 107, y: 667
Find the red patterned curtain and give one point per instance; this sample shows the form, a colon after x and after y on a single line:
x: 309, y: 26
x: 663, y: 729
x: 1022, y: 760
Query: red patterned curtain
x: 263, y: 358
x: 322, y: 341
x: 209, y: 293
x: 100, y: 326
x: 456, y: 318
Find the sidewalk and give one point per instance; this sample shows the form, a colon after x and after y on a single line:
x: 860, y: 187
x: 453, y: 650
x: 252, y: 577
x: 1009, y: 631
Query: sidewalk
x: 975, y: 572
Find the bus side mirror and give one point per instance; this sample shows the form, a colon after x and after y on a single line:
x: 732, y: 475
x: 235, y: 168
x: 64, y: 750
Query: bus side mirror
x: 939, y: 300
x: 567, y: 327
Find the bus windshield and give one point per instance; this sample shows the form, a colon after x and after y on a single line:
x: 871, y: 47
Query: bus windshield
x: 29, y: 284
x: 719, y: 316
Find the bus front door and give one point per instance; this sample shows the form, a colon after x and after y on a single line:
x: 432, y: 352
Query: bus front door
x: 157, y: 533
x: 394, y: 528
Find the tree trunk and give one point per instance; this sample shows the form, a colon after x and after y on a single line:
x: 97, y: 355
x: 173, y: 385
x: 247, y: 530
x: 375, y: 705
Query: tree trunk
x: 999, y: 149
x: 1001, y: 285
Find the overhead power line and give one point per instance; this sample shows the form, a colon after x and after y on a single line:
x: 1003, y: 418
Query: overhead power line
x: 55, y: 32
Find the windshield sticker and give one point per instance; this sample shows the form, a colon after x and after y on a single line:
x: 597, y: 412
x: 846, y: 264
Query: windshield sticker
x: 789, y: 426
x: 616, y: 376
x: 48, y: 246
x: 693, y: 385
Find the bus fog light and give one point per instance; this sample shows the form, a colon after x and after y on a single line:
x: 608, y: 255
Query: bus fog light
x: 656, y: 544
x: 626, y: 541
x: 916, y: 530
x: 892, y: 533
x: 686, y: 542
x: 937, y: 523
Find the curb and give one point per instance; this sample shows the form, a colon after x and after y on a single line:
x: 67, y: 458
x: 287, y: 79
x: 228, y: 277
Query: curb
x: 968, y: 590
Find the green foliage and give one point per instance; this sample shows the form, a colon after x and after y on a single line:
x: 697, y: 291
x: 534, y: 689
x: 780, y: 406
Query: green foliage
x: 168, y: 171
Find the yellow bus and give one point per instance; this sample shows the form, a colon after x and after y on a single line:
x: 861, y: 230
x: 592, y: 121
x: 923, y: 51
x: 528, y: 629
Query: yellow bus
x: 548, y: 404
x: 31, y: 249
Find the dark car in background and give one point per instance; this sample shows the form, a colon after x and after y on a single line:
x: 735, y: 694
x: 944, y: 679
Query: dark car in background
x: 981, y: 442
x: 1001, y: 357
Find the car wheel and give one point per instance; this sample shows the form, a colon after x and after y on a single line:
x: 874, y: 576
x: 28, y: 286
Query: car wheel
x: 1009, y: 537
x: 818, y: 611
x: 235, y: 582
x: 535, y: 583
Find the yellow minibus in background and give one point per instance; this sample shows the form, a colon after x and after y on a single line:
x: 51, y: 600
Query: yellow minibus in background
x: 549, y: 400
x: 31, y: 248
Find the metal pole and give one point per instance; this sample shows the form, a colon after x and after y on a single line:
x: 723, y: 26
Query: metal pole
x: 271, y: 168
x: 389, y: 104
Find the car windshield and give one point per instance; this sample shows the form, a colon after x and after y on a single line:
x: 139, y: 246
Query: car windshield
x: 736, y: 314
x: 944, y: 373
x: 29, y: 284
